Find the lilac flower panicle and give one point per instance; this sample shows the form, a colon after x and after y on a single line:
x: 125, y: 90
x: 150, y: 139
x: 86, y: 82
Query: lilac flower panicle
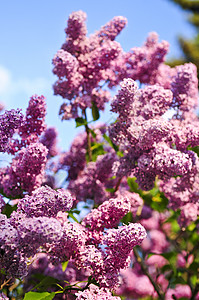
x: 68, y: 246
x: 8, y: 234
x: 135, y: 200
x: 11, y: 259
x: 185, y: 87
x: 26, y: 170
x: 108, y: 214
x: 95, y: 293
x: 49, y: 139
x: 64, y: 64
x: 122, y: 103
x: 119, y: 243
x: 112, y: 28
x: 37, y: 231
x: 35, y: 117
x: 45, y: 201
x: 10, y: 122
x: 76, y: 25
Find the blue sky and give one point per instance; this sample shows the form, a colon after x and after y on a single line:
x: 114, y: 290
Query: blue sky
x: 31, y: 32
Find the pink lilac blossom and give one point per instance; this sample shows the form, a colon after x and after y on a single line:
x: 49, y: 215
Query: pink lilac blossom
x: 189, y: 136
x: 11, y: 259
x: 164, y: 161
x: 180, y: 291
x: 135, y: 200
x: 49, y: 139
x: 91, y: 183
x: 83, y: 62
x: 119, y: 243
x: 37, y: 231
x: 147, y: 139
x: 104, y: 263
x: 45, y: 201
x: 140, y: 63
x: 64, y: 64
x: 35, y: 116
x: 134, y: 285
x: 76, y: 33
x: 111, y: 29
x: 73, y: 237
x: 26, y: 170
x: 185, y: 87
x: 8, y: 234
x: 143, y: 62
x: 182, y: 193
x: 108, y: 214
x: 95, y: 293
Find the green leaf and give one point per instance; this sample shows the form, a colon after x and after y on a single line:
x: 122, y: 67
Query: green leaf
x: 71, y: 215
x: 127, y: 218
x: 191, y: 227
x: 45, y: 282
x: 169, y: 255
x: 134, y: 187
x: 95, y: 112
x: 92, y: 133
x: 97, y: 149
x: 107, y: 138
x: 8, y: 209
x: 80, y: 122
x: 64, y: 265
x: 39, y: 296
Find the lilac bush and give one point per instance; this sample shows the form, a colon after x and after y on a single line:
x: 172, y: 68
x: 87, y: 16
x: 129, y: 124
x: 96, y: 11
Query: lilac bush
x: 123, y: 221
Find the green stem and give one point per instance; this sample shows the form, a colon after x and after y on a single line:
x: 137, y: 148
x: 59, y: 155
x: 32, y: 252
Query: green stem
x: 145, y: 270
x: 88, y: 138
x: 117, y: 185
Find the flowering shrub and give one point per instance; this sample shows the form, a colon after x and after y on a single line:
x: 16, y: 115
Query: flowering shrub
x: 123, y: 222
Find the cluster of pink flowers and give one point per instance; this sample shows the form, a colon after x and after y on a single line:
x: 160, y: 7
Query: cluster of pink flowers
x: 124, y: 220
x: 83, y: 62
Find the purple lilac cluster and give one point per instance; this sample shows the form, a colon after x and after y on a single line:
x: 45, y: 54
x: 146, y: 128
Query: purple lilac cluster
x: 41, y: 224
x: 35, y: 117
x: 140, y: 63
x: 10, y: 122
x: 11, y: 259
x: 104, y: 265
x: 25, y: 172
x: 92, y: 182
x: 49, y: 139
x: 147, y: 138
x: 32, y: 126
x: 46, y: 202
x: 74, y: 236
x: 83, y: 62
x: 124, y: 238
x: 108, y: 214
x: 134, y: 199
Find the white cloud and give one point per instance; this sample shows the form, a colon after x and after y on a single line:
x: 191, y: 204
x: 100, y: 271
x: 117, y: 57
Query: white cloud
x: 5, y: 79
x: 16, y: 92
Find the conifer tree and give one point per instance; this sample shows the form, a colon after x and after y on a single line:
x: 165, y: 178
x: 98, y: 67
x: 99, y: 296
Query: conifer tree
x: 190, y: 47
